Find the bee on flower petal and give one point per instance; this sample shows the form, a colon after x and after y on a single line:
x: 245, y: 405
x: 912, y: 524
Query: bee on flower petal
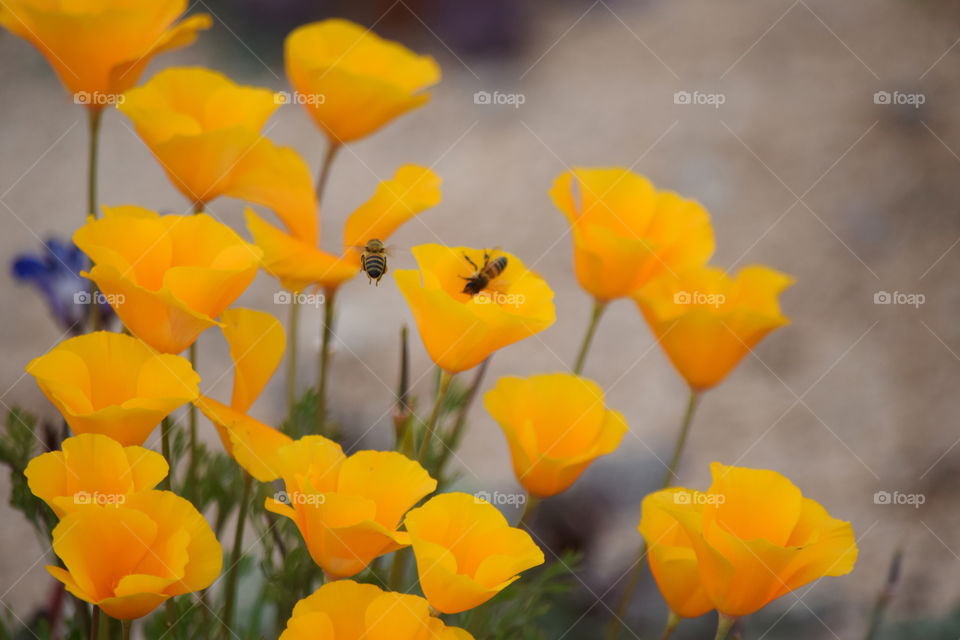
x: 482, y: 276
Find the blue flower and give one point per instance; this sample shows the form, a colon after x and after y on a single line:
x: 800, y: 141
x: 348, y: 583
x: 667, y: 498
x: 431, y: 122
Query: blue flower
x: 56, y: 274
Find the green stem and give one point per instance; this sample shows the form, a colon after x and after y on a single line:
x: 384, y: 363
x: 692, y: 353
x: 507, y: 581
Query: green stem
x: 445, y: 380
x: 292, y: 355
x: 126, y: 625
x: 598, y: 309
x: 326, y: 337
x: 325, y: 165
x: 397, y: 569
x: 672, y: 621
x: 885, y: 595
x: 614, y: 626
x: 692, y: 401
x: 723, y: 626
x: 165, y: 428
x: 95, y: 115
x: 525, y: 517
x: 95, y: 623
x: 456, y: 434
x: 192, y: 415
x: 236, y: 554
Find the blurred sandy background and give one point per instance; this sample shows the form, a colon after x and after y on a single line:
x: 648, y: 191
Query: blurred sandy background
x: 800, y: 169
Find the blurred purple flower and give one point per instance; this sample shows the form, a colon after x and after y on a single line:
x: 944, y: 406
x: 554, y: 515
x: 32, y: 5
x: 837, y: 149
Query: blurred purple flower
x: 56, y: 274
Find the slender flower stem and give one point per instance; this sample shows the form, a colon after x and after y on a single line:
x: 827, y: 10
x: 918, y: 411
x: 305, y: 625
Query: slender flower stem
x: 885, y: 595
x: 453, y: 440
x: 723, y: 626
x: 614, y: 626
x: 671, y: 473
x: 126, y: 625
x: 527, y: 515
x: 192, y: 409
x: 397, y: 569
x: 325, y: 165
x: 165, y: 428
x: 672, y: 621
x: 445, y: 380
x: 95, y: 116
x: 401, y: 411
x: 598, y: 309
x: 95, y: 623
x: 326, y: 336
x: 292, y: 355
x: 235, y: 555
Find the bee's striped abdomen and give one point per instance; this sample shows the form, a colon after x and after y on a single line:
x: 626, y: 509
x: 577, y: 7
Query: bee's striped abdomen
x: 495, y: 267
x: 375, y: 265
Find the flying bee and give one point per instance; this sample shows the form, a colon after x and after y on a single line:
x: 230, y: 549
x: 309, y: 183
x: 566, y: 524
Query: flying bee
x: 483, y: 275
x: 373, y: 260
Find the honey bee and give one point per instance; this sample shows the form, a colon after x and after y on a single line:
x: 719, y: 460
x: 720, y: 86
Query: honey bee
x: 373, y: 260
x: 483, y: 275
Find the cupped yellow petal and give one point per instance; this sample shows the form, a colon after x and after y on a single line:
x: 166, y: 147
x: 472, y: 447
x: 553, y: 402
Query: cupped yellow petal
x: 295, y: 263
x: 466, y: 552
x: 460, y: 330
x: 257, y: 342
x: 353, y: 82
x: 99, y: 50
x: 411, y: 190
x: 707, y: 322
x: 200, y: 125
x: 113, y: 384
x: 167, y: 277
x: 670, y: 552
x: 391, y: 480
x: 93, y: 469
x: 556, y: 426
x: 626, y: 232
x: 313, y: 460
x: 254, y: 445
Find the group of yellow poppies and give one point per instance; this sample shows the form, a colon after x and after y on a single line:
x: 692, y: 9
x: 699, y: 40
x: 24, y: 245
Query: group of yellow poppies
x: 127, y: 548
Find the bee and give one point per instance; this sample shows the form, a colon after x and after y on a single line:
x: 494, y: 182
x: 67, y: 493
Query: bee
x: 483, y: 275
x: 373, y: 260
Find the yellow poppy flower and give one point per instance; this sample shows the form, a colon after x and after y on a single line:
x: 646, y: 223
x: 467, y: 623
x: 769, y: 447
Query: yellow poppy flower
x: 347, y: 610
x: 295, y: 259
x: 351, y: 81
x: 348, y: 509
x: 93, y: 469
x: 757, y: 538
x: 130, y: 559
x: 625, y: 231
x: 707, y: 321
x: 167, y: 277
x: 466, y: 552
x: 460, y: 330
x: 99, y: 49
x: 411, y: 190
x: 113, y: 384
x: 670, y: 552
x: 556, y: 425
x: 257, y: 342
x: 204, y: 130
